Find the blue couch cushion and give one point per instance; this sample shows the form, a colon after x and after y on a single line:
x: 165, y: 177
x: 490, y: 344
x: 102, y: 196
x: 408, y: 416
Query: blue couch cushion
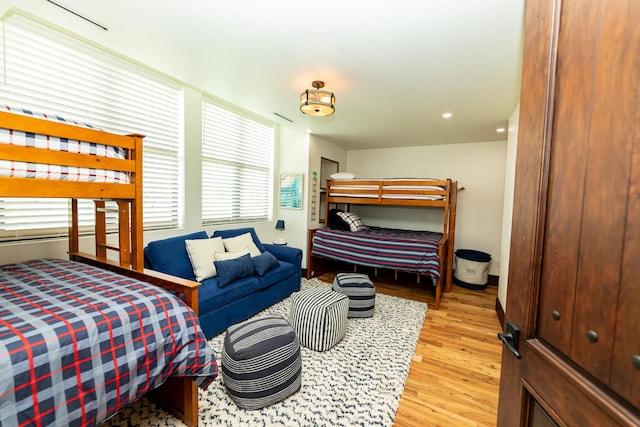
x: 233, y: 269
x: 211, y: 296
x: 264, y: 262
x: 225, y: 234
x: 170, y: 255
x: 275, y: 275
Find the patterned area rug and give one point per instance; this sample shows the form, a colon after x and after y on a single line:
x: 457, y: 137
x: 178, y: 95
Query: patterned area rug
x: 358, y: 382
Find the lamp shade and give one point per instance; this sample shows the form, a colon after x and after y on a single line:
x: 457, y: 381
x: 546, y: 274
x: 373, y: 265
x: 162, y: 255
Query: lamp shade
x: 280, y: 224
x: 316, y: 102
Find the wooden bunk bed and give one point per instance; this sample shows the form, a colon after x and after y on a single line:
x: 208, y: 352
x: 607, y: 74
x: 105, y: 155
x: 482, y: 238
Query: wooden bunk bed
x: 178, y: 394
x: 392, y: 192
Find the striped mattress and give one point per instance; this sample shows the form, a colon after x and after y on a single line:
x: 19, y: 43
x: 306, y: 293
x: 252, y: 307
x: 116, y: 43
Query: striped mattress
x: 16, y: 169
x: 405, y: 250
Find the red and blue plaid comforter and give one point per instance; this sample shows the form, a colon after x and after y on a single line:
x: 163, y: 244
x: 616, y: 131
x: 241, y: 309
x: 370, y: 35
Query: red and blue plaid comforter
x: 405, y: 250
x: 78, y: 343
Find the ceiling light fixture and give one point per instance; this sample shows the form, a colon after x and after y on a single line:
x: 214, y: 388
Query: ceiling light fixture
x: 316, y: 102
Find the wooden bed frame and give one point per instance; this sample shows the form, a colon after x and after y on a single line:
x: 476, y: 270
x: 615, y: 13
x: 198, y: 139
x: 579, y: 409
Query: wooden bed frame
x: 406, y: 192
x: 178, y: 395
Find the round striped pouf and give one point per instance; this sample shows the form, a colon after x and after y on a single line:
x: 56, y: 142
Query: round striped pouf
x: 261, y: 362
x: 360, y: 290
x: 319, y: 316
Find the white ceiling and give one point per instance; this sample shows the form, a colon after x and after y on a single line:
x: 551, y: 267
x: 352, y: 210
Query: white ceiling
x: 394, y: 66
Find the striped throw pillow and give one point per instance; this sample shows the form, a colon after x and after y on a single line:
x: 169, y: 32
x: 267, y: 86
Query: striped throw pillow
x: 354, y: 221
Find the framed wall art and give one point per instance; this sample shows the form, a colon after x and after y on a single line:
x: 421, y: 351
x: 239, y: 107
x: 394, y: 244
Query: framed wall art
x: 291, y: 190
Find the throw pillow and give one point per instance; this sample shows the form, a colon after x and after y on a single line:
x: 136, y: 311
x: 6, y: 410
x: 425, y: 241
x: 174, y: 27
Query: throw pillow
x: 354, y: 221
x: 238, y: 243
x: 233, y: 269
x: 264, y: 262
x: 201, y: 254
x: 223, y: 256
x: 170, y: 255
x: 225, y: 234
x: 334, y: 222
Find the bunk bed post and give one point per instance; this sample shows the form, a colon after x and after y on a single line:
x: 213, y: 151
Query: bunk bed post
x: 100, y: 228
x: 73, y: 227
x: 137, y: 242
x: 326, y: 203
x: 124, y: 241
x: 453, y: 202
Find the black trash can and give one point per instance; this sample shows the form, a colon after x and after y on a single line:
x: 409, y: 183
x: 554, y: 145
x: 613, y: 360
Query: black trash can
x: 472, y: 269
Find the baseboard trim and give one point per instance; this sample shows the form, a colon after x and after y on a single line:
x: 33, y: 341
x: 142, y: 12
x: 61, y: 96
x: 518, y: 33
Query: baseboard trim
x: 493, y: 280
x: 500, y: 312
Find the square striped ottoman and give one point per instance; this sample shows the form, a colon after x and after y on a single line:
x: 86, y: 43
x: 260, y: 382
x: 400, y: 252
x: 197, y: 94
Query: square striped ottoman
x: 360, y: 290
x: 261, y: 362
x: 319, y: 316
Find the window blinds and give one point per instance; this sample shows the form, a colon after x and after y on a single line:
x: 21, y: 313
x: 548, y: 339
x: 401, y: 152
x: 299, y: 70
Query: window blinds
x: 50, y: 72
x: 237, y: 166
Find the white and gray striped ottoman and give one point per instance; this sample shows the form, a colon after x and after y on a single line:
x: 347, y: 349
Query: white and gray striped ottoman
x: 319, y: 316
x: 261, y: 362
x: 360, y: 290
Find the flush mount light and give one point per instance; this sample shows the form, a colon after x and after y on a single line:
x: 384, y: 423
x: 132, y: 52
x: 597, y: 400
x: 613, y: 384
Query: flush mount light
x: 316, y: 102
x: 447, y: 115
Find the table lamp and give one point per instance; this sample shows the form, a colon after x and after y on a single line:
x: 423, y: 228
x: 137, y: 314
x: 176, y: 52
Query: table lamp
x: 280, y: 240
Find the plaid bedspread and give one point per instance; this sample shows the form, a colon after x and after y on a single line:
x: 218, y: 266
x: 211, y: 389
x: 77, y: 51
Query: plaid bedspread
x: 405, y: 250
x: 57, y: 172
x: 78, y: 343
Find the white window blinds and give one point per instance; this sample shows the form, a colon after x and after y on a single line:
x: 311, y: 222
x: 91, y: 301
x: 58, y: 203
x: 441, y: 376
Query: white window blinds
x: 237, y: 166
x: 47, y: 71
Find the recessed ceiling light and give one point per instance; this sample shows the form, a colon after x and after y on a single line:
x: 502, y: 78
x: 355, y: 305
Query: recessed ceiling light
x: 500, y: 130
x: 447, y: 115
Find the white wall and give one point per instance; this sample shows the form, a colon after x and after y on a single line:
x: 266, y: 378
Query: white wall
x: 507, y: 215
x: 479, y: 167
x: 293, y: 157
x: 318, y: 148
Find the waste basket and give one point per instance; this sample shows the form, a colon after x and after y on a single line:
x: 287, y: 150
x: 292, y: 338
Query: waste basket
x: 472, y: 269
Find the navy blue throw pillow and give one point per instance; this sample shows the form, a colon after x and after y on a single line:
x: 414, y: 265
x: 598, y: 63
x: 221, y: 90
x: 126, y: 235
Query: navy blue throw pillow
x: 334, y: 222
x: 264, y: 262
x: 233, y: 269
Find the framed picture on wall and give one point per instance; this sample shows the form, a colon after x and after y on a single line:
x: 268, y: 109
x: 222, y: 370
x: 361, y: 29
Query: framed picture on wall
x: 291, y: 190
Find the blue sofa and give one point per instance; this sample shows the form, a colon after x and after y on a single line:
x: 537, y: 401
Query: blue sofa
x: 221, y: 307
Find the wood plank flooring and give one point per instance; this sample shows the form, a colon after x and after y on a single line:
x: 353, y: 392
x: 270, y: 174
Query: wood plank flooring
x: 455, y: 372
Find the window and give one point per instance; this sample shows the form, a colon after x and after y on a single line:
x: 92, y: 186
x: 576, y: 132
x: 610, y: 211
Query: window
x: 49, y: 72
x: 237, y: 166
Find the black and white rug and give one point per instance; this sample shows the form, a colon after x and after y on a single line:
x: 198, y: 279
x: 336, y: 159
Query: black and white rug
x: 358, y: 382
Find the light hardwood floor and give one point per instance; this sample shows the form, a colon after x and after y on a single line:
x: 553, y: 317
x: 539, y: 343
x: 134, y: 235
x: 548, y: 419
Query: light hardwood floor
x: 455, y: 372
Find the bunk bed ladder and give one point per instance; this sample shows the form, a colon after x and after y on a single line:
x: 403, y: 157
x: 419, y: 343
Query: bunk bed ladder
x: 124, y: 241
x: 127, y: 233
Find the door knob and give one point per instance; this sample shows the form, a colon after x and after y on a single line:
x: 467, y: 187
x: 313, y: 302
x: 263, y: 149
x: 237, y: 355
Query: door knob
x: 510, y: 338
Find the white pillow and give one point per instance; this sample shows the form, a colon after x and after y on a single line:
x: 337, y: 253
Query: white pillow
x: 224, y: 256
x: 238, y: 243
x: 342, y: 175
x: 201, y: 252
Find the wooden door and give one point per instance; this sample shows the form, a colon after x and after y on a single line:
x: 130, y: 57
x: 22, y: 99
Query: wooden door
x: 574, y: 274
